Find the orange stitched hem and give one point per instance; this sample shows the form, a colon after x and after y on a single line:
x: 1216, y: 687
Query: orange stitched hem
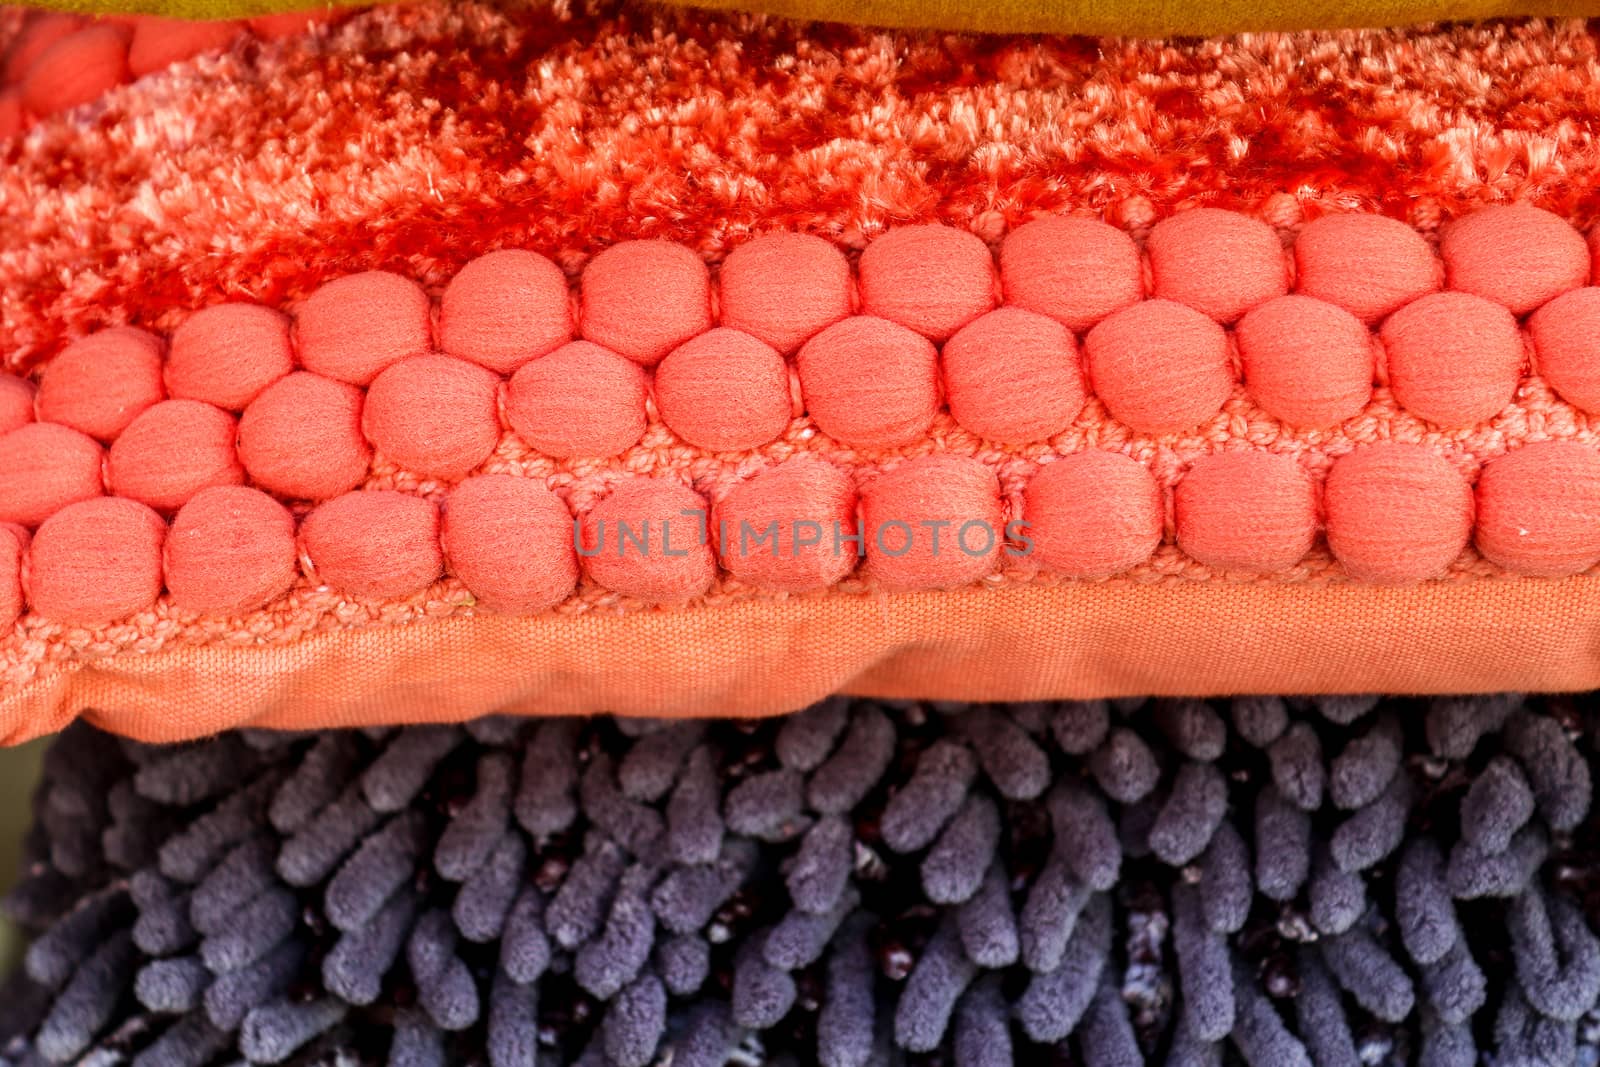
x: 760, y: 658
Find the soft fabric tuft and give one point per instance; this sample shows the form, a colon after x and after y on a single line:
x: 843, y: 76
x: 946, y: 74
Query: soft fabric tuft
x: 434, y: 415
x: 1220, y: 263
x: 505, y: 308
x: 1093, y: 514
x: 1396, y: 513
x: 1370, y: 265
x: 100, y: 383
x: 649, y: 539
x: 231, y: 549
x: 784, y: 288
x: 76, y: 69
x: 1454, y: 358
x: 869, y: 382
x: 510, y: 541
x: 933, y: 279
x: 160, y: 42
x: 43, y: 468
x: 1539, y: 509
x: 96, y: 561
x: 377, y: 544
x: 38, y: 33
x: 1159, y: 366
x: 934, y: 522
x: 12, y: 601
x: 1013, y: 376
x: 353, y: 327
x: 1307, y: 362
x: 1514, y: 254
x: 785, y: 528
x: 1566, y: 346
x: 642, y: 299
x: 173, y: 451
x: 301, y: 438
x: 580, y: 400
x: 1075, y: 270
x: 16, y: 402
x: 226, y: 354
x: 725, y: 391
x: 1246, y: 511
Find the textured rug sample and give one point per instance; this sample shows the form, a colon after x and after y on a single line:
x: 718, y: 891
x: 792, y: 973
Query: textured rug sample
x: 1336, y: 881
x: 340, y: 190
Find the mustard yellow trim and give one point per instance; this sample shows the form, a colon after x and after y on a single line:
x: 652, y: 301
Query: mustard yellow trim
x: 1133, y: 18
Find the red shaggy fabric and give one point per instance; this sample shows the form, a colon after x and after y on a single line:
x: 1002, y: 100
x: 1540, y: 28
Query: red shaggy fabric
x: 261, y: 173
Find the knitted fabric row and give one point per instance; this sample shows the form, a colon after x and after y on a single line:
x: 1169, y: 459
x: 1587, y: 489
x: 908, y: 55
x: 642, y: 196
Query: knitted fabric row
x: 298, y: 407
x: 55, y: 60
x: 1393, y: 513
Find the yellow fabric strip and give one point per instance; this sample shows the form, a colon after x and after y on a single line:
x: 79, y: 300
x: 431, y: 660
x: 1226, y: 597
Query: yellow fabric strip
x: 1132, y: 18
x: 195, y: 9
x: 1148, y: 18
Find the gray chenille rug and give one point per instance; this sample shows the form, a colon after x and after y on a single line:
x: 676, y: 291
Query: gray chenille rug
x: 1279, y: 883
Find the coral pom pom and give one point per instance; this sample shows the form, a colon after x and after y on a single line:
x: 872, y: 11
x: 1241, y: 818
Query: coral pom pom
x: 1396, y: 513
x: 870, y: 383
x: 505, y: 308
x: 301, y: 438
x: 353, y: 327
x: 1539, y: 509
x: 784, y: 529
x: 286, y: 24
x: 1013, y: 376
x: 934, y: 522
x: 724, y: 391
x: 1092, y: 514
x: 642, y: 299
x: 159, y: 42
x: 784, y: 288
x: 1367, y: 264
x: 377, y: 544
x: 434, y: 415
x: 76, y: 69
x: 1220, y: 263
x: 230, y: 550
x: 226, y: 354
x: 1306, y: 362
x: 932, y: 279
x: 1159, y: 366
x: 580, y: 400
x: 1246, y: 511
x: 1454, y: 358
x: 1566, y: 345
x: 45, y: 467
x: 41, y: 30
x: 509, y: 540
x: 649, y: 539
x: 11, y: 598
x: 100, y: 383
x: 1077, y: 271
x: 96, y: 561
x: 16, y: 403
x: 1514, y: 254
x: 173, y: 451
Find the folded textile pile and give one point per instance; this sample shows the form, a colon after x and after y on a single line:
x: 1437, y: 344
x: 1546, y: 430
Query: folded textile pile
x: 436, y: 244
x: 1336, y: 881
x: 341, y: 363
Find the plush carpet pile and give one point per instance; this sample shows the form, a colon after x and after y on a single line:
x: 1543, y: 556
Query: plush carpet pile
x: 1278, y: 883
x: 415, y: 137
